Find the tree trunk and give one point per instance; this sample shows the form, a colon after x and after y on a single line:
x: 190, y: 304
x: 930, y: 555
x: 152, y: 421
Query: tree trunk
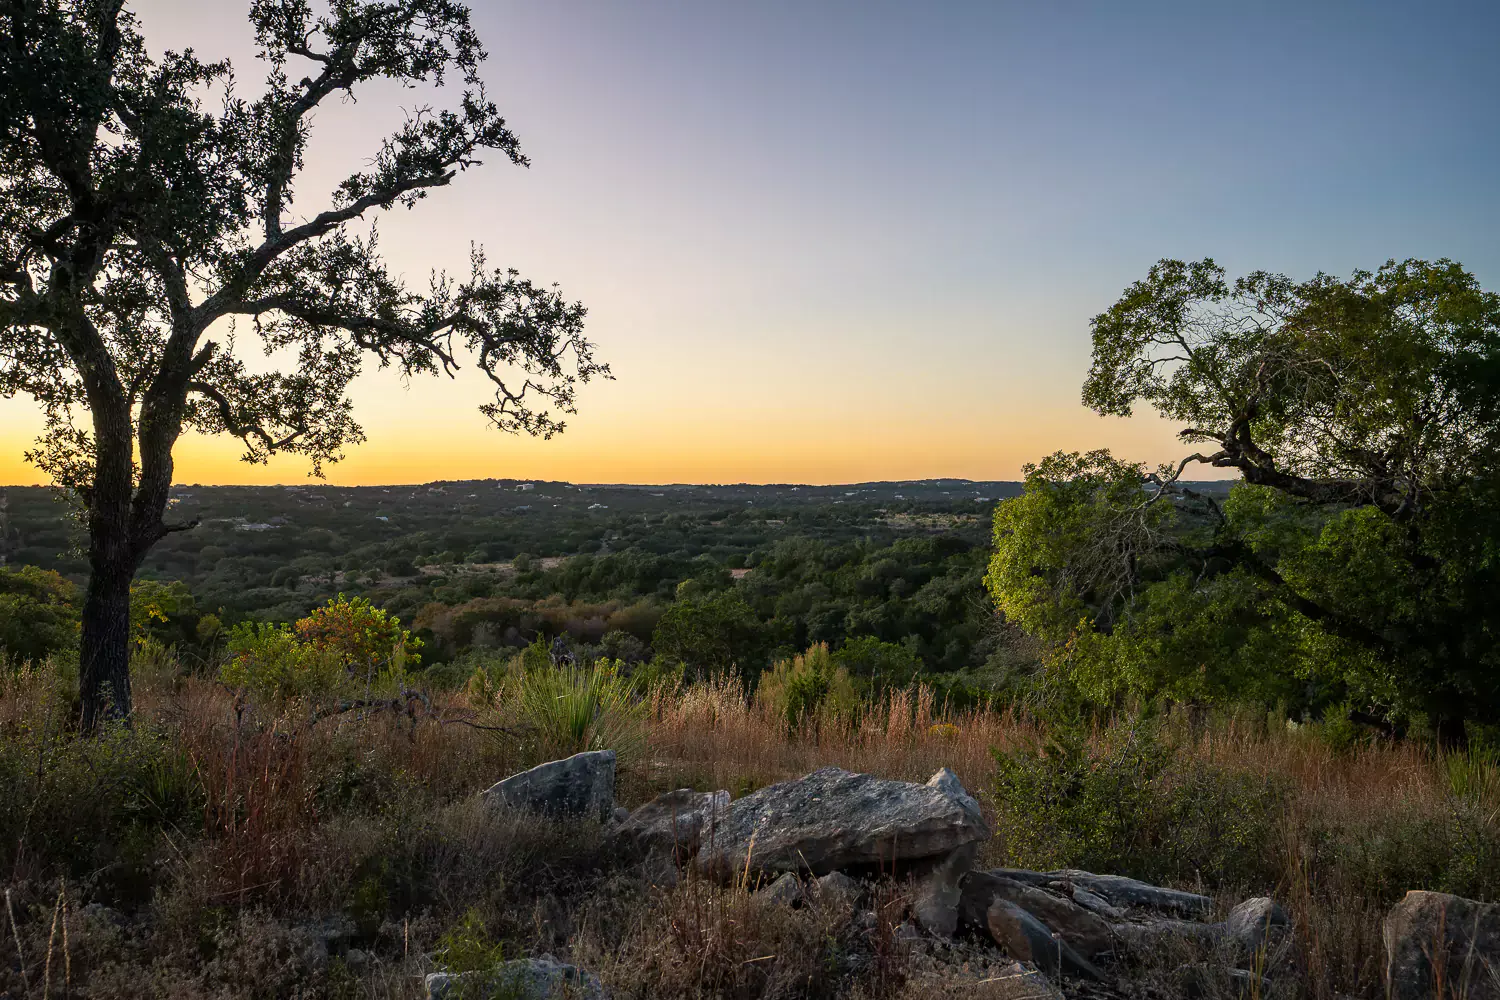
x: 104, y: 667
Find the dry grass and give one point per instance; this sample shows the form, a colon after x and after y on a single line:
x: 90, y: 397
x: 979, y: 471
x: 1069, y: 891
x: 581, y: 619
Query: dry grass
x: 217, y: 837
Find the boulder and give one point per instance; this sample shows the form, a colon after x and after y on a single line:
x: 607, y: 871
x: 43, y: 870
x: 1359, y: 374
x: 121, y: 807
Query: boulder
x: 582, y: 785
x: 675, y: 822
x: 1435, y: 943
x: 936, y: 899
x: 1117, y: 890
x: 786, y: 890
x: 1096, y: 903
x: 539, y: 978
x: 1256, y: 924
x: 1086, y: 931
x: 839, y: 889
x: 834, y: 819
x: 1027, y: 939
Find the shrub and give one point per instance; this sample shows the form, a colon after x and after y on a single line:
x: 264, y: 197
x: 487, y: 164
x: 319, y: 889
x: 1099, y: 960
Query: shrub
x: 1131, y: 804
x: 365, y: 639
x: 271, y: 663
x: 810, y: 687
x: 38, y: 614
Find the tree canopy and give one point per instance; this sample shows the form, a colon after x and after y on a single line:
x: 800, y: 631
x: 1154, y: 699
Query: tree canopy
x: 153, y: 219
x: 1357, y: 555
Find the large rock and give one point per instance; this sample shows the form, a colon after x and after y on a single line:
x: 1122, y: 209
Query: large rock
x: 936, y: 900
x: 1086, y: 931
x: 1257, y: 924
x: 1117, y: 889
x: 1435, y: 943
x: 1027, y: 939
x: 539, y: 978
x: 676, y: 822
x: 582, y: 785
x: 835, y: 819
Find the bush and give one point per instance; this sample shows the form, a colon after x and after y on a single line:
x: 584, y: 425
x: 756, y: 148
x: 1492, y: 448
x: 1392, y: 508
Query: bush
x: 271, y: 663
x: 38, y: 614
x: 1131, y: 804
x: 808, y: 688
x: 567, y: 709
x: 364, y: 639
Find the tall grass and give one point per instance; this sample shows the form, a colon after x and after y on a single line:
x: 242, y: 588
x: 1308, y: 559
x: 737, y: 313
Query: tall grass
x: 221, y: 828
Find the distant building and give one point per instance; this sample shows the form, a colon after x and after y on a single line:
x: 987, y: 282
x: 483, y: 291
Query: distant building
x: 526, y: 487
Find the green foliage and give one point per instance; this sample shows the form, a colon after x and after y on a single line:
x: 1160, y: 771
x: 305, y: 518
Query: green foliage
x: 1130, y: 803
x: 270, y: 662
x: 95, y: 808
x: 38, y: 614
x: 364, y: 639
x: 711, y: 635
x: 467, y: 947
x: 563, y: 710
x: 882, y: 664
x: 809, y: 688
x: 1357, y: 558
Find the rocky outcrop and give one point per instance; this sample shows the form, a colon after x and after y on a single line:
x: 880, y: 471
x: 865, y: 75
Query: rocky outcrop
x: 834, y: 819
x: 523, y: 979
x: 677, y: 822
x: 1027, y: 939
x: 583, y: 785
x: 1437, y: 943
x: 1083, y: 929
x: 935, y: 903
x: 1256, y: 925
x: 1117, y: 890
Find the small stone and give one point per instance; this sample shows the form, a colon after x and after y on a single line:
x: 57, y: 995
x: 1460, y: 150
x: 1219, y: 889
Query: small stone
x: 538, y: 978
x: 839, y: 888
x: 1256, y: 924
x: 935, y: 906
x: 787, y: 891
x: 675, y: 822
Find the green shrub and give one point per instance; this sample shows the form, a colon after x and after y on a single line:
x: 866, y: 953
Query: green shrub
x: 38, y: 614
x: 809, y: 688
x: 1130, y: 804
x: 271, y: 663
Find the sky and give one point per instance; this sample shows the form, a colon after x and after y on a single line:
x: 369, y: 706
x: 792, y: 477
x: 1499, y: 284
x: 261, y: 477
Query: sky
x: 826, y: 241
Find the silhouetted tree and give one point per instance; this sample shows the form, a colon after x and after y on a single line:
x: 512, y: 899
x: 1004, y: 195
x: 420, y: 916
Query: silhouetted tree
x: 144, y: 206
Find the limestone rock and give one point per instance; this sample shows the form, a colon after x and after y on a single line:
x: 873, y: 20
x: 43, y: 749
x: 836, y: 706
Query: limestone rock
x: 1117, y: 890
x: 838, y: 888
x: 1027, y: 939
x: 1255, y: 924
x: 1085, y: 930
x: 676, y: 822
x: 786, y: 890
x: 1432, y: 938
x: 523, y: 979
x: 834, y: 819
x: 935, y: 903
x: 583, y: 785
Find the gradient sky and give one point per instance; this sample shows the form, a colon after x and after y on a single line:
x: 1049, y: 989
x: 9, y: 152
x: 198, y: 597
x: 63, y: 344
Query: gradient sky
x: 831, y: 241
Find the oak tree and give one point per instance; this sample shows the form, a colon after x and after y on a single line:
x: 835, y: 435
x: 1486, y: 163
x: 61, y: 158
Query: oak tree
x: 145, y: 206
x: 1358, y: 554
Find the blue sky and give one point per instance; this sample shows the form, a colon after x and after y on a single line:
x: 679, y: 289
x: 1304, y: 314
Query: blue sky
x: 829, y: 241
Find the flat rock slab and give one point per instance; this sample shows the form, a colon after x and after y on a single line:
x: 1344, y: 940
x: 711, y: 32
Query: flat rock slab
x: 1433, y: 939
x: 583, y: 786
x: 834, y: 819
x: 1117, y: 889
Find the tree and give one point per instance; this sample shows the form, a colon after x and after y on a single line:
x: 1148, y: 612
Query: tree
x: 145, y: 206
x: 1361, y: 547
x: 711, y: 635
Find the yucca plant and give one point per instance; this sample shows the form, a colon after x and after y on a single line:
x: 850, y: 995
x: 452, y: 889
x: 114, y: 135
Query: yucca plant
x: 568, y: 709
